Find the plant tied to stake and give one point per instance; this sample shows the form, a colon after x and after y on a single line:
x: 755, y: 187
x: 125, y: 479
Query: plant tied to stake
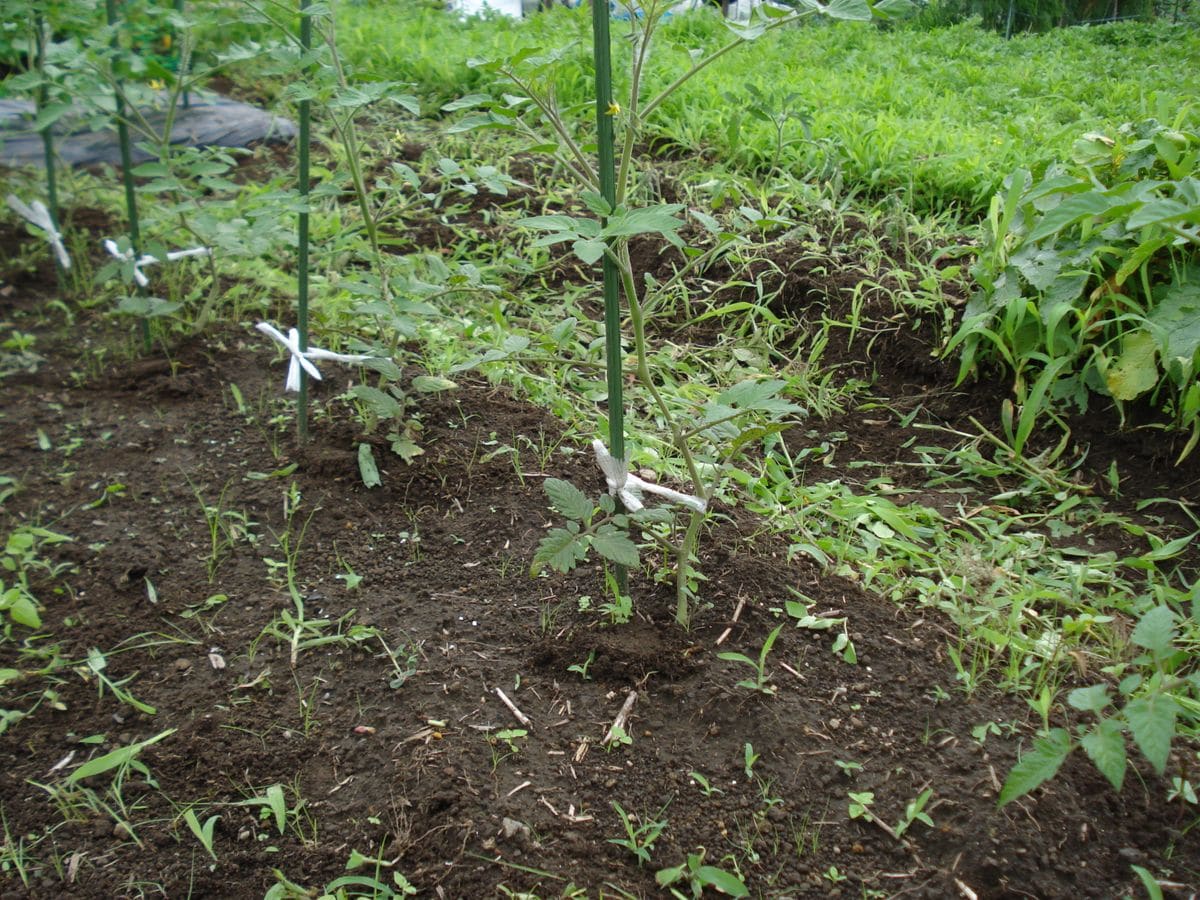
x: 725, y: 425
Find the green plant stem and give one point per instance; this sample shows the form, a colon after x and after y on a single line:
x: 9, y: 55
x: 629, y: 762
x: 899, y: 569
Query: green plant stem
x: 305, y: 114
x: 135, y: 235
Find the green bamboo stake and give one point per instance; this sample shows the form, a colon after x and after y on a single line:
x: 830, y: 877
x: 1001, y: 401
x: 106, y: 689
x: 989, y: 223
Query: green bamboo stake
x: 613, y: 358
x: 181, y: 64
x: 302, y: 263
x: 42, y: 38
x: 135, y: 234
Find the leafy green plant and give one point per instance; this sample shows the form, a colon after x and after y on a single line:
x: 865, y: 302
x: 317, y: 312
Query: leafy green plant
x: 1089, y: 283
x: 1156, y: 698
x: 801, y: 611
x: 698, y: 876
x: 505, y: 744
x: 640, y: 836
x: 761, y: 679
x: 604, y: 236
x: 202, y: 831
x: 590, y: 526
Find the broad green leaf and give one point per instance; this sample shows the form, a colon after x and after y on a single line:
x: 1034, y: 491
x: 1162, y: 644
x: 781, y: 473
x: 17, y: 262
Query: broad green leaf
x: 893, y: 9
x: 1135, y: 371
x: 853, y: 10
x: 1070, y: 211
x: 1039, y: 266
x: 659, y: 219
x: 549, y: 223
x: 1165, y: 210
x: 1105, y: 746
x: 568, y: 499
x: 1152, y: 722
x: 432, y: 384
x: 467, y: 102
x: 1176, y: 317
x: 7, y: 675
x: 615, y: 546
x: 561, y: 550
x: 722, y: 881
x: 1037, y: 766
x: 1090, y: 699
x: 20, y: 607
x: 589, y: 251
x: 277, y: 803
x: 366, y: 466
x: 382, y: 404
x: 115, y: 759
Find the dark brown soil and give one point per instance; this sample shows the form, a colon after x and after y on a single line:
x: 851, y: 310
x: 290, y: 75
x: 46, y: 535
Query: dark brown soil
x: 125, y: 458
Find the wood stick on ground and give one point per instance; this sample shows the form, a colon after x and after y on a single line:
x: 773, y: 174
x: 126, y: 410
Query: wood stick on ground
x: 736, y: 613
x: 619, y: 721
x: 512, y: 708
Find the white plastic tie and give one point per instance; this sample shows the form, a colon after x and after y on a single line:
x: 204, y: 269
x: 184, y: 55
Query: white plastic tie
x: 629, y: 488
x: 302, y: 358
x: 37, y: 214
x: 147, y: 260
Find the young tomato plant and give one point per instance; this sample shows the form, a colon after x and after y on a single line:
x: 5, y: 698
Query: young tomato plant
x: 603, y: 236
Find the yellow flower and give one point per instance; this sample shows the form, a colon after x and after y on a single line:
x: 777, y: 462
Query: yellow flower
x: 157, y: 85
x: 614, y: 108
x: 166, y: 42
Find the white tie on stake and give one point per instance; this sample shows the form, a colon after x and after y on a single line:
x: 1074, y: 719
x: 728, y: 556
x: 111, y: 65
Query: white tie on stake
x: 147, y: 260
x: 37, y: 214
x: 629, y: 488
x: 300, y: 358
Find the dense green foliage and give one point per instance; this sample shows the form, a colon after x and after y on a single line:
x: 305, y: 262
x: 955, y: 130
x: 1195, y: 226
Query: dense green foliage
x: 939, y: 116
x: 1088, y: 280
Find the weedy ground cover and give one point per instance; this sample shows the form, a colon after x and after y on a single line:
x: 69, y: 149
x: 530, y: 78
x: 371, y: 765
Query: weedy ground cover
x: 255, y: 650
x: 938, y: 117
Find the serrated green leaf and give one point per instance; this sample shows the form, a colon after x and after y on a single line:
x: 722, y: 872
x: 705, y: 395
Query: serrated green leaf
x: 1038, y: 765
x: 615, y: 546
x: 561, y: 550
x: 1105, y: 747
x: 1155, y: 630
x: 1152, y: 723
x: 660, y: 219
x: 366, y: 466
x: 1090, y: 699
x: 568, y: 500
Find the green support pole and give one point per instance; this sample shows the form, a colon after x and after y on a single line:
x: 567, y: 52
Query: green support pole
x: 302, y: 237
x: 42, y: 38
x: 135, y: 234
x: 180, y: 71
x: 613, y: 357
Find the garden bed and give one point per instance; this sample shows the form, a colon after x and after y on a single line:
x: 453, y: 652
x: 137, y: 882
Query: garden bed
x: 387, y: 738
